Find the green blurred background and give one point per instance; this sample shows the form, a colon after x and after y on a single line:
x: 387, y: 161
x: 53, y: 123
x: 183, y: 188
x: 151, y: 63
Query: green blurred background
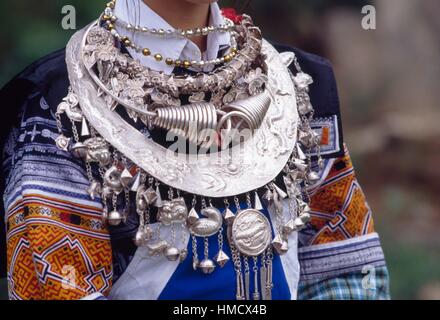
x: 388, y: 83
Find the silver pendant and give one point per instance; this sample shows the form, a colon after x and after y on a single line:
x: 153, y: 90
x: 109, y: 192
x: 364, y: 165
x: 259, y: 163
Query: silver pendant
x: 157, y: 248
x: 79, y: 150
x: 150, y: 196
x: 258, y: 205
x: 85, y: 132
x: 280, y: 245
x: 221, y: 258
x: 192, y: 216
x: 183, y: 255
x: 159, y: 202
x: 289, y: 227
x: 114, y: 218
x: 206, y: 227
x: 229, y: 216
x: 280, y: 192
x: 172, y: 254
x: 207, y: 266
x: 313, y: 176
x: 251, y: 232
x: 63, y: 142
x: 126, y: 178
x: 139, y: 239
x: 136, y: 183
x: 95, y: 189
x: 112, y: 179
x: 174, y: 211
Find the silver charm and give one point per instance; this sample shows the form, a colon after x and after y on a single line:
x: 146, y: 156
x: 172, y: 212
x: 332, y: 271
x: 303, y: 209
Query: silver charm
x: 172, y: 254
x: 85, y: 132
x: 192, y: 216
x: 94, y: 189
x: 141, y: 204
x: 305, y: 217
x: 140, y: 238
x: 289, y: 227
x: 136, y: 182
x: 280, y: 245
x: 229, y: 216
x: 287, y: 58
x: 258, y: 205
x: 221, y: 258
x: 79, y: 150
x: 280, y: 192
x: 207, y: 266
x: 313, y: 177
x: 70, y: 106
x: 159, y: 202
x: 98, y: 151
x: 114, y: 218
x: 112, y: 179
x: 301, y: 153
x: 183, y: 255
x: 150, y: 196
x: 251, y: 232
x: 302, y: 80
x: 62, y: 142
x: 126, y: 178
x: 301, y: 165
x: 291, y: 187
x: 157, y: 248
x: 174, y: 211
x: 206, y: 227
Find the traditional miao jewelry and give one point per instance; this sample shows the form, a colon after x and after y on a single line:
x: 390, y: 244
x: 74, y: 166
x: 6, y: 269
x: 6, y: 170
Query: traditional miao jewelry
x: 169, y: 33
x: 257, y: 91
x: 144, y: 92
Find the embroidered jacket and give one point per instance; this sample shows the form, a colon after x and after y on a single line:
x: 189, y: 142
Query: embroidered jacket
x: 58, y: 248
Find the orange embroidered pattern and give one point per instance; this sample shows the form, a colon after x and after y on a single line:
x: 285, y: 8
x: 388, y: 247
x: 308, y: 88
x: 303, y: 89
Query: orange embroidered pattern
x: 339, y: 207
x: 56, y: 252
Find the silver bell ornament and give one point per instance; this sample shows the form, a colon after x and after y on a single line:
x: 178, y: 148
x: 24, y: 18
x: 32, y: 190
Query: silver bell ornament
x: 114, y: 218
x: 172, y: 254
x: 313, y: 176
x: 139, y: 238
x: 207, y: 266
x: 305, y: 217
x: 183, y: 255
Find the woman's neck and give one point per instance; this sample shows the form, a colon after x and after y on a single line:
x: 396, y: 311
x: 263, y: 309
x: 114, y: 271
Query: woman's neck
x: 183, y: 14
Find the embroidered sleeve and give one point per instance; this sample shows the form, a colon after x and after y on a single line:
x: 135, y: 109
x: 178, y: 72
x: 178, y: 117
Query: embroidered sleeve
x: 339, y: 207
x: 340, y: 251
x: 57, y: 246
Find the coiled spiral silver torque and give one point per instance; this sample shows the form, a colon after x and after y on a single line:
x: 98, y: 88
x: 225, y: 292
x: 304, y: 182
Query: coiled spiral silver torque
x: 198, y: 122
x: 194, y: 122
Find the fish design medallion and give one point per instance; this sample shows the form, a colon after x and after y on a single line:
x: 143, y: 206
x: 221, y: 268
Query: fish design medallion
x: 251, y: 232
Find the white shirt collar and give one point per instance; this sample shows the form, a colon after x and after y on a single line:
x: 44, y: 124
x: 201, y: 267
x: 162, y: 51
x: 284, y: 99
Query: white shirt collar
x: 174, y: 48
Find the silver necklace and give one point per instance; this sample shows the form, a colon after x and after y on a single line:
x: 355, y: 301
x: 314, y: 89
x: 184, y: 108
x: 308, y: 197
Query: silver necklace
x: 110, y: 16
x: 127, y: 163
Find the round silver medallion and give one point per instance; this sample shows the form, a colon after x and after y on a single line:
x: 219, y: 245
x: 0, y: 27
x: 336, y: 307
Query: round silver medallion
x: 251, y: 232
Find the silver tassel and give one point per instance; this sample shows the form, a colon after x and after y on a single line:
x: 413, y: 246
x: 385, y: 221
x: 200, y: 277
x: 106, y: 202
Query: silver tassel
x: 85, y: 132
